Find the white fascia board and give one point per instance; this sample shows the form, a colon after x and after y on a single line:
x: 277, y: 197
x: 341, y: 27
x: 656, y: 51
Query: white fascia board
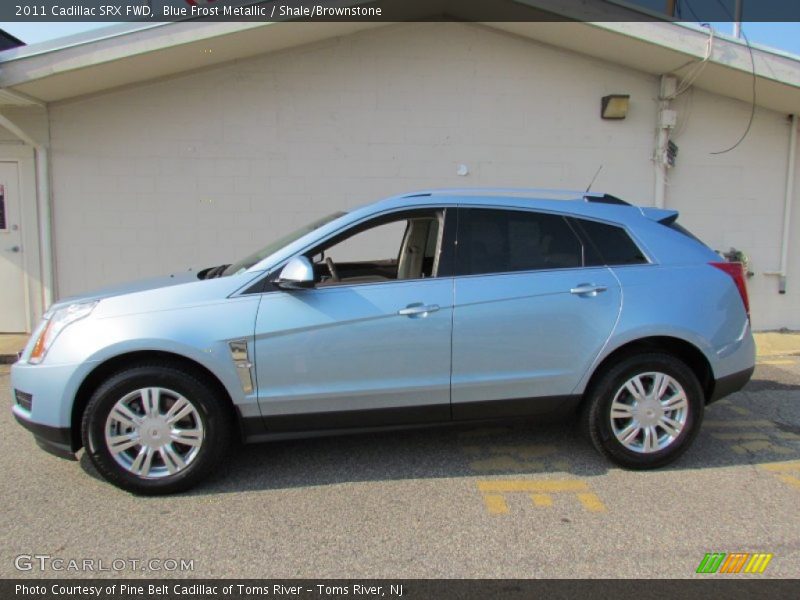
x: 23, y: 67
x: 728, y: 52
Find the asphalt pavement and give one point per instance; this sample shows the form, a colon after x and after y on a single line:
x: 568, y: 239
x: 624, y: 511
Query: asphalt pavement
x: 517, y: 502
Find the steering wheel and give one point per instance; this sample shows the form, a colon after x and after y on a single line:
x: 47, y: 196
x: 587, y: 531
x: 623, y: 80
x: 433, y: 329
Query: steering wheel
x: 332, y: 269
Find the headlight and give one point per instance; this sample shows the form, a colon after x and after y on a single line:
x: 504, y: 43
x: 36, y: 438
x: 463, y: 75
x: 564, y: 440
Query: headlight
x: 55, y: 323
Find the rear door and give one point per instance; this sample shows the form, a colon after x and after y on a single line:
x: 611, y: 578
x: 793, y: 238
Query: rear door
x: 529, y: 317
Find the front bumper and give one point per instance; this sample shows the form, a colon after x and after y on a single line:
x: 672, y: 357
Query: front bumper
x: 55, y: 440
x: 51, y: 390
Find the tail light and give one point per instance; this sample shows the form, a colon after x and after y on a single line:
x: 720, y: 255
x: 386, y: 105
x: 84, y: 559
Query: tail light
x: 736, y: 271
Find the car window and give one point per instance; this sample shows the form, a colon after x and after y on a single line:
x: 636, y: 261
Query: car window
x: 611, y: 245
x: 675, y: 226
x: 401, y: 246
x: 249, y: 261
x: 378, y: 243
x: 501, y: 241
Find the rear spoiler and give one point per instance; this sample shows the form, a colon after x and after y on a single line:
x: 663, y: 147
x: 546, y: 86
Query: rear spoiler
x: 661, y: 215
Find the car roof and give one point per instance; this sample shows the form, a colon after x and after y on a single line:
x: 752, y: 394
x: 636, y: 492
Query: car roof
x: 589, y: 204
x: 602, y: 207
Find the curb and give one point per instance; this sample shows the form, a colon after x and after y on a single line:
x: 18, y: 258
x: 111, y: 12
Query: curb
x: 777, y: 343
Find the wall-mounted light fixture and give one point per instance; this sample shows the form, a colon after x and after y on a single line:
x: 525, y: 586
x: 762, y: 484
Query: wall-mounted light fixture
x: 615, y: 106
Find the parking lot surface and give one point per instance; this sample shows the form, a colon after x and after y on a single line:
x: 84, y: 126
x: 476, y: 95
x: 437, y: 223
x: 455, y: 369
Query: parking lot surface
x: 518, y: 502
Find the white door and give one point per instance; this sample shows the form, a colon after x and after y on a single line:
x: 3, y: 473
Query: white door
x: 12, y: 277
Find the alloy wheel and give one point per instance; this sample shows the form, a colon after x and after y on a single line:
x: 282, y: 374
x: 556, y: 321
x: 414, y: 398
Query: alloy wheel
x: 649, y: 412
x: 154, y: 432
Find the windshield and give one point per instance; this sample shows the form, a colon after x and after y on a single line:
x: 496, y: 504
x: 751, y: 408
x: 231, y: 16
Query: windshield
x: 249, y: 261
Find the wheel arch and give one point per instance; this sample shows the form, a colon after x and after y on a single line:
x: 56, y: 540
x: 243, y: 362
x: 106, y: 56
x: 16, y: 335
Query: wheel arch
x: 681, y: 349
x: 115, y: 364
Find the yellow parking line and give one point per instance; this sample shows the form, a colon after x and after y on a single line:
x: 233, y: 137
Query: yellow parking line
x: 779, y: 361
x: 494, y: 492
x: 725, y: 424
x: 782, y: 469
x: 542, y: 500
x: 790, y: 480
x: 591, y: 502
x: 527, y: 485
x: 741, y: 436
x: 495, y: 504
x: 793, y: 465
x: 759, y: 445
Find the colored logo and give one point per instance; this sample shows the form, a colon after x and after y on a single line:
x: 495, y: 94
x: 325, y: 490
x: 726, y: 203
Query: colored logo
x: 736, y: 562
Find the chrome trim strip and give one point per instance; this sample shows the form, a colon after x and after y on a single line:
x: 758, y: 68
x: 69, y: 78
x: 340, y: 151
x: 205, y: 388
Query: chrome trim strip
x: 240, y: 355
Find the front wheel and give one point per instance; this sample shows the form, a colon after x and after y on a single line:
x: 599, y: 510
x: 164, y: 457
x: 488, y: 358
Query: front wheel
x: 155, y: 430
x: 645, y: 411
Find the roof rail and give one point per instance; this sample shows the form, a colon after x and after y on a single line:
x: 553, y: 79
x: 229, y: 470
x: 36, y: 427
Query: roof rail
x: 605, y: 199
x: 541, y: 193
x: 538, y: 193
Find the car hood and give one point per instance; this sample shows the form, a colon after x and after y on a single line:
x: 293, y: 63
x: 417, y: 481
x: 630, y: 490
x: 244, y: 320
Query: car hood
x: 130, y: 287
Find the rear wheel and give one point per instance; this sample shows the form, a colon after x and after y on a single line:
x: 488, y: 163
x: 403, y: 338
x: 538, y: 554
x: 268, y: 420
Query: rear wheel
x: 645, y: 411
x: 155, y: 430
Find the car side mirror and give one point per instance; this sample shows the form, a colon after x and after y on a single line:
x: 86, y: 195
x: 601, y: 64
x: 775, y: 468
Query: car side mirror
x: 297, y: 274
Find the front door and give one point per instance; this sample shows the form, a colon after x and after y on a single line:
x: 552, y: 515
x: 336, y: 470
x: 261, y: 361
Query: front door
x: 370, y: 344
x: 12, y: 276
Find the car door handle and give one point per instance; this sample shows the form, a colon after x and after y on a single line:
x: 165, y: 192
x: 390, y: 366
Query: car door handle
x: 414, y: 310
x: 585, y: 289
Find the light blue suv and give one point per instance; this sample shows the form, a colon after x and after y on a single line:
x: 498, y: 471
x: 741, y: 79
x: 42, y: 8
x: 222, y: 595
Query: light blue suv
x: 433, y: 307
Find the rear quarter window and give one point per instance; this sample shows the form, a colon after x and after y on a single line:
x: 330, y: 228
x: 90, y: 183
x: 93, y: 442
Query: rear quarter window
x: 609, y: 245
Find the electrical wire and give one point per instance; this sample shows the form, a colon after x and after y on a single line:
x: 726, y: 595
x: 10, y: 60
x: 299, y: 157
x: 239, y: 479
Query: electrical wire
x: 697, y: 67
x: 753, y: 72
x: 685, y: 113
x: 687, y: 81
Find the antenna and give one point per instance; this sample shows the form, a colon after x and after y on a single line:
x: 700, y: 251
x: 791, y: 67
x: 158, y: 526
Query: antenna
x: 591, y: 183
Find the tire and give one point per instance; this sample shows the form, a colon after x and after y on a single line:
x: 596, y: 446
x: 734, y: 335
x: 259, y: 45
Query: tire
x: 659, y: 441
x: 168, y: 430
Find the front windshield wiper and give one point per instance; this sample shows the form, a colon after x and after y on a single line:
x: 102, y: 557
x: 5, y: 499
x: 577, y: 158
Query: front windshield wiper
x: 212, y: 272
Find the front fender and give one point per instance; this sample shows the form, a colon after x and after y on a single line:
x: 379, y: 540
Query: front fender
x: 199, y: 333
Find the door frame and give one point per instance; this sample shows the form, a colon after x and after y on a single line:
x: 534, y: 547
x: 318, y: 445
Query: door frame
x: 23, y: 156
x: 289, y: 423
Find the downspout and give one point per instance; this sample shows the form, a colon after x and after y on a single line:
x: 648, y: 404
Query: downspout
x: 787, y: 208
x: 42, y: 160
x: 45, y: 223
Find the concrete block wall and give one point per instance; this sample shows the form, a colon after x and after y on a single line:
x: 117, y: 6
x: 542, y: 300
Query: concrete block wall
x: 736, y: 199
x: 205, y: 168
